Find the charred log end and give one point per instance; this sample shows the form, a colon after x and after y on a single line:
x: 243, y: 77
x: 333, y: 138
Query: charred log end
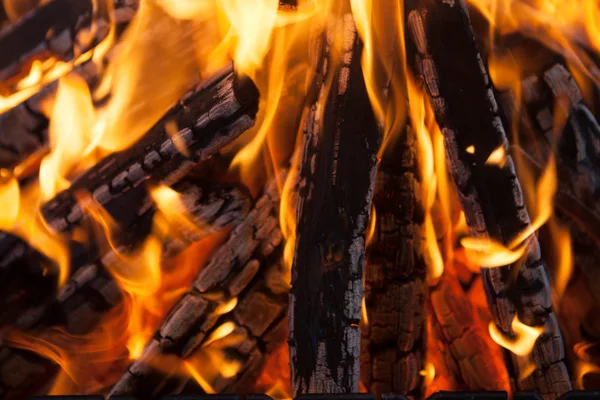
x: 209, y: 117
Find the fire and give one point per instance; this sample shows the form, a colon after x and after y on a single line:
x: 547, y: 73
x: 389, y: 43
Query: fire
x: 497, y: 157
x: 523, y: 340
x: 566, y: 27
x: 428, y: 373
x: 72, y: 117
x: 181, y: 42
x: 488, y: 252
x: 584, y: 364
x: 428, y: 180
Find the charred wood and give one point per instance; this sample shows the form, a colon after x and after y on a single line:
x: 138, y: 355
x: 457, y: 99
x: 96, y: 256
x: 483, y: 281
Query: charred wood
x: 469, y: 353
x: 576, y: 148
x: 395, y: 291
x: 247, y: 268
x: 491, y: 196
x: 24, y: 128
x: 337, y: 176
x: 208, y: 117
x: 58, y: 30
x: 92, y: 291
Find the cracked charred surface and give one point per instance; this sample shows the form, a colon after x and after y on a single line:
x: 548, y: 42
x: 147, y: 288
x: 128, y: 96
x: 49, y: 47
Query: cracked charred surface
x: 393, y: 341
x: 247, y: 266
x: 577, y: 151
x: 474, y: 360
x: 491, y: 197
x: 337, y: 175
x: 208, y: 118
x: 92, y: 291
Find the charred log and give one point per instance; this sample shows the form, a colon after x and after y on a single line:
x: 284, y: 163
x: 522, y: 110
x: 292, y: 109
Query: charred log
x: 58, y: 30
x: 491, y: 196
x: 337, y: 175
x: 208, y: 117
x: 247, y: 268
x: 24, y: 128
x: 576, y: 148
x: 92, y: 291
x: 393, y: 338
x: 468, y: 351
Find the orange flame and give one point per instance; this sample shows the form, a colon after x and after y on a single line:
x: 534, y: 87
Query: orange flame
x: 524, y: 338
x: 428, y: 180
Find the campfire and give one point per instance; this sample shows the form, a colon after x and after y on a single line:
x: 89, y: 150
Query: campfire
x: 298, y: 197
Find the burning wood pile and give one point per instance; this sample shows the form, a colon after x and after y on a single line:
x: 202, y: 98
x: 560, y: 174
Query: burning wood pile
x: 405, y: 191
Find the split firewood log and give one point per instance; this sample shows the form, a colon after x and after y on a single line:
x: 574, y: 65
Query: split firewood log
x: 57, y: 31
x: 92, y: 291
x: 208, y: 117
x: 393, y: 341
x: 246, y: 271
x: 490, y: 195
x: 576, y: 148
x: 337, y: 176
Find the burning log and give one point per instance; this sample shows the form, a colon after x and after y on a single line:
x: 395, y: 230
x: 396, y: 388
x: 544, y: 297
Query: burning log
x: 243, y: 287
x: 491, y: 196
x: 57, y: 31
x: 393, y: 338
x: 24, y: 128
x: 92, y: 291
x: 576, y: 154
x: 469, y: 352
x: 337, y: 175
x: 208, y: 118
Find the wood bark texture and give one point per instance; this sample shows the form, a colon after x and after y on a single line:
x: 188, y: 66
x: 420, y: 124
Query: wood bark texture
x: 393, y: 339
x: 208, y: 117
x: 491, y: 196
x: 247, y: 267
x: 92, y: 291
x: 337, y: 178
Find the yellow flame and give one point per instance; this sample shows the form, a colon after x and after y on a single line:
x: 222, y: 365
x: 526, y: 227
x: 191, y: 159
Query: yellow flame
x: 195, y: 373
x: 279, y: 392
x: 372, y: 225
x: 470, y: 149
x: 172, y: 131
x: 490, y: 253
x: 428, y: 373
x: 497, y: 157
x: 487, y: 252
x: 584, y: 364
x: 365, y: 317
x: 72, y: 117
x: 523, y: 340
x: 566, y: 27
x: 219, y: 333
x: 561, y: 239
x: 227, y: 307
x: 428, y: 180
x: 174, y: 217
x: 10, y: 197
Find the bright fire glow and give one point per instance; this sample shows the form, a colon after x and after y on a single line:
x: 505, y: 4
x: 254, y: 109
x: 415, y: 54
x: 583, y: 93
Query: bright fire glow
x: 523, y: 340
